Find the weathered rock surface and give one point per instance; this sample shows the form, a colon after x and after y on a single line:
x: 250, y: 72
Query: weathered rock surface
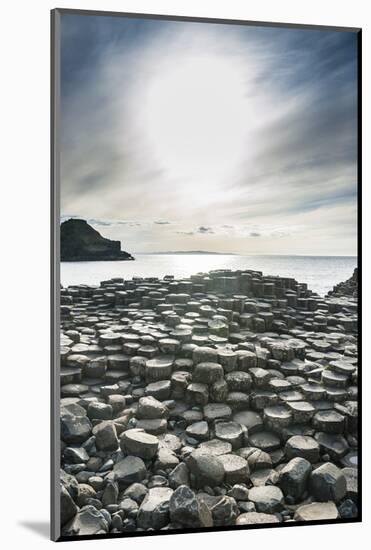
x: 154, y: 510
x: 129, y: 470
x: 105, y: 436
x: 138, y: 443
x: 253, y: 518
x: 294, y: 476
x: 88, y: 521
x: 267, y: 499
x: 207, y: 470
x: 302, y: 446
x: 316, y: 511
x: 187, y: 510
x: 68, y: 506
x: 75, y: 429
x: 327, y: 482
x: 348, y: 287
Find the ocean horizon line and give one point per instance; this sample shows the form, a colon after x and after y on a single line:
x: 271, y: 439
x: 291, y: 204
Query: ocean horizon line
x: 208, y: 252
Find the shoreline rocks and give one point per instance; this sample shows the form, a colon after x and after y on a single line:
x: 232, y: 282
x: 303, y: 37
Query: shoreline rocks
x: 348, y: 287
x: 229, y: 398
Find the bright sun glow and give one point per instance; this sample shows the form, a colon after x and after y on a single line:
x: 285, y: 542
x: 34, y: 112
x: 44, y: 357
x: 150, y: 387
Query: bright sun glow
x: 197, y: 116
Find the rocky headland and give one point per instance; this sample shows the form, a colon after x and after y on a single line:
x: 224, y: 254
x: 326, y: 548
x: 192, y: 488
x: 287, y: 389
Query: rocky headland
x: 348, y: 287
x: 80, y: 242
x: 229, y: 398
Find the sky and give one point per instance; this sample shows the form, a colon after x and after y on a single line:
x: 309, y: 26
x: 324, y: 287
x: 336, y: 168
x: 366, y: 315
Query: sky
x: 202, y: 136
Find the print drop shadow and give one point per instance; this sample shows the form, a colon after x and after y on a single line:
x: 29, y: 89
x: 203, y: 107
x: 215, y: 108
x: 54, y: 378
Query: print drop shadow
x: 41, y: 528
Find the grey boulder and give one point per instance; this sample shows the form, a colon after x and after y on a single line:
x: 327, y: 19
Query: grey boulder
x: 105, y: 436
x: 327, y: 482
x: 154, y: 510
x: 294, y: 476
x: 187, y: 510
x: 88, y: 521
x: 129, y: 470
x: 75, y: 429
x: 267, y: 499
x: 139, y: 443
x: 207, y: 469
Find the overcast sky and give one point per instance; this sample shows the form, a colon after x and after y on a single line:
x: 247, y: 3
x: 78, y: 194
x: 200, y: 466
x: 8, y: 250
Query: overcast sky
x: 227, y: 138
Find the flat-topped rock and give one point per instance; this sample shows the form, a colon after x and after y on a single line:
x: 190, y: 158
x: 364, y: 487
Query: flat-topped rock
x: 254, y: 518
x: 266, y: 441
x: 231, y: 432
x: 198, y: 431
x: 334, y: 445
x: 277, y: 417
x: 304, y: 447
x: 316, y: 511
x: 250, y: 419
x: 329, y: 422
x: 159, y: 368
x: 137, y: 442
x: 235, y: 467
x: 207, y: 373
x: 73, y: 390
x: 267, y: 499
x: 238, y: 381
x: 301, y: 411
x: 215, y: 447
x: 160, y: 390
x: 217, y: 411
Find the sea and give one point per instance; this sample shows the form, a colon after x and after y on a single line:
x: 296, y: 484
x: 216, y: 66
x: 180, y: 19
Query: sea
x: 321, y: 273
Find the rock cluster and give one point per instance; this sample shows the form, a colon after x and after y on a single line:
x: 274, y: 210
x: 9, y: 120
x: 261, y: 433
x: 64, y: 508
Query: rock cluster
x: 229, y: 398
x: 348, y: 287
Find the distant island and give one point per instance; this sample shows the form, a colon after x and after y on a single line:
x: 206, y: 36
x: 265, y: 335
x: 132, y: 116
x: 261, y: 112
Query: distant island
x: 193, y: 252
x: 82, y: 243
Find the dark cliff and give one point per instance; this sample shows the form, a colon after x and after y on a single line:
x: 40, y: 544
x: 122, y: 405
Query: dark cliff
x: 80, y: 242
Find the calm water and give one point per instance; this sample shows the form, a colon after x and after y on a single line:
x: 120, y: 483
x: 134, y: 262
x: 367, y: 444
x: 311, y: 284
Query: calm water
x: 320, y: 272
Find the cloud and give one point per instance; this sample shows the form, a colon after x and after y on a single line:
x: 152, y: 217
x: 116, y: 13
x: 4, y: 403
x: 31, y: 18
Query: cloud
x: 255, y: 234
x: 93, y: 221
x: 112, y: 223
x: 162, y: 223
x: 203, y: 230
x: 130, y: 224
